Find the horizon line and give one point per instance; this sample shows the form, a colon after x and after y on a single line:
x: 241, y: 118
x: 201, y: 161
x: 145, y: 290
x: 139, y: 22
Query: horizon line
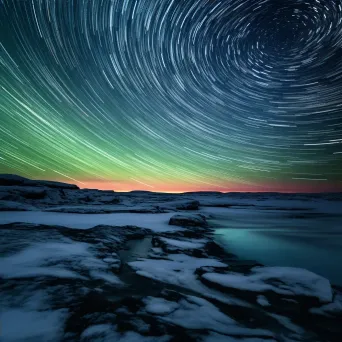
x: 82, y: 185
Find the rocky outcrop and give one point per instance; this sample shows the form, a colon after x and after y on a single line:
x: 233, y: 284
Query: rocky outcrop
x: 9, y: 180
x: 284, y: 281
x: 193, y: 247
x: 109, y: 199
x: 286, y: 290
x: 187, y: 220
x: 50, y: 184
x: 191, y: 205
x: 174, y: 283
x: 6, y: 179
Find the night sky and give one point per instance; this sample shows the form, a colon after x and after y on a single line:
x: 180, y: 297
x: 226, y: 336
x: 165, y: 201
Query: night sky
x: 173, y: 95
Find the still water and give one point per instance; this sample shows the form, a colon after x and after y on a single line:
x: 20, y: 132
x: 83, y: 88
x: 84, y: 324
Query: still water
x: 274, y: 238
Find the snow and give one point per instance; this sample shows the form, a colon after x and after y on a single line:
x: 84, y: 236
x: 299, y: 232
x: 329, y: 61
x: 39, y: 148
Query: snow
x: 96, y: 330
x: 334, y: 308
x: 215, y: 337
x: 282, y: 280
x: 26, y: 315
x: 54, y: 253
x: 22, y: 325
x: 15, y: 206
x: 40, y: 259
x: 155, y: 222
x: 111, y: 261
x: 159, y: 306
x: 297, y: 281
x: 194, y: 315
x: 67, y: 259
x: 262, y: 300
x: 108, y: 333
x: 88, y: 209
x: 287, y: 323
x: 198, y: 314
x: 178, y: 269
x: 41, y: 271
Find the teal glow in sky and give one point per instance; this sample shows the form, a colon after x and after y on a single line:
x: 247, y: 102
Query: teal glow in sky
x: 160, y: 95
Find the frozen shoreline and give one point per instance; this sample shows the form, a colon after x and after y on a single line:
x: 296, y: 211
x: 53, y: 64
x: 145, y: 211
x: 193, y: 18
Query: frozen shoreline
x: 69, y: 276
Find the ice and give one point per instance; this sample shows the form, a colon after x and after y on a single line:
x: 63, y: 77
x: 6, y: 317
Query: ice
x: 85, y: 260
x: 282, y: 280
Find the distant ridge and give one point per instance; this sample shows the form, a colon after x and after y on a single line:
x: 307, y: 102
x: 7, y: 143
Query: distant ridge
x: 12, y: 180
x: 8, y: 179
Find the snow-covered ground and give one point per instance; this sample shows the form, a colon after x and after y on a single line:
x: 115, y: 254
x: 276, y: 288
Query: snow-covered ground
x: 65, y: 274
x: 156, y: 222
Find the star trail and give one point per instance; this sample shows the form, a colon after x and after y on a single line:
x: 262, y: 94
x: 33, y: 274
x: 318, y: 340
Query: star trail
x: 173, y: 95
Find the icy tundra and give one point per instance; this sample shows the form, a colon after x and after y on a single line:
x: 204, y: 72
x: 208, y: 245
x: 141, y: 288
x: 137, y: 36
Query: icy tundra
x: 88, y: 265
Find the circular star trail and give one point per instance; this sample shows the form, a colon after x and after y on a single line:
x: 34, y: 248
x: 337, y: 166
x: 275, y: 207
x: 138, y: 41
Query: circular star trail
x: 173, y: 95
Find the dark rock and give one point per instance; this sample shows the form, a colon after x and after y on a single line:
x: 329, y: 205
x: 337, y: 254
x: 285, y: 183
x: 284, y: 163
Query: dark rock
x: 171, y: 249
x: 190, y: 232
x: 50, y: 184
x: 205, y: 269
x: 34, y: 194
x: 151, y: 210
x: 214, y: 249
x: 84, y: 210
x: 193, y: 205
x: 7, y: 179
x: 86, y: 199
x: 288, y: 293
x: 243, y: 266
x: 109, y: 199
x: 10, y: 180
x: 188, y: 221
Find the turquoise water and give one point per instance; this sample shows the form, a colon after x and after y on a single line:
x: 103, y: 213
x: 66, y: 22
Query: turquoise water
x: 276, y: 238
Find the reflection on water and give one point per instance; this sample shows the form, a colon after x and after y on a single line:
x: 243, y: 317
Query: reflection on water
x: 284, y: 239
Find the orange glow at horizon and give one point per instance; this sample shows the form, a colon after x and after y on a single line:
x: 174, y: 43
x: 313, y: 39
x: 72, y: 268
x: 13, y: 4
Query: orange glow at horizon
x: 170, y: 187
